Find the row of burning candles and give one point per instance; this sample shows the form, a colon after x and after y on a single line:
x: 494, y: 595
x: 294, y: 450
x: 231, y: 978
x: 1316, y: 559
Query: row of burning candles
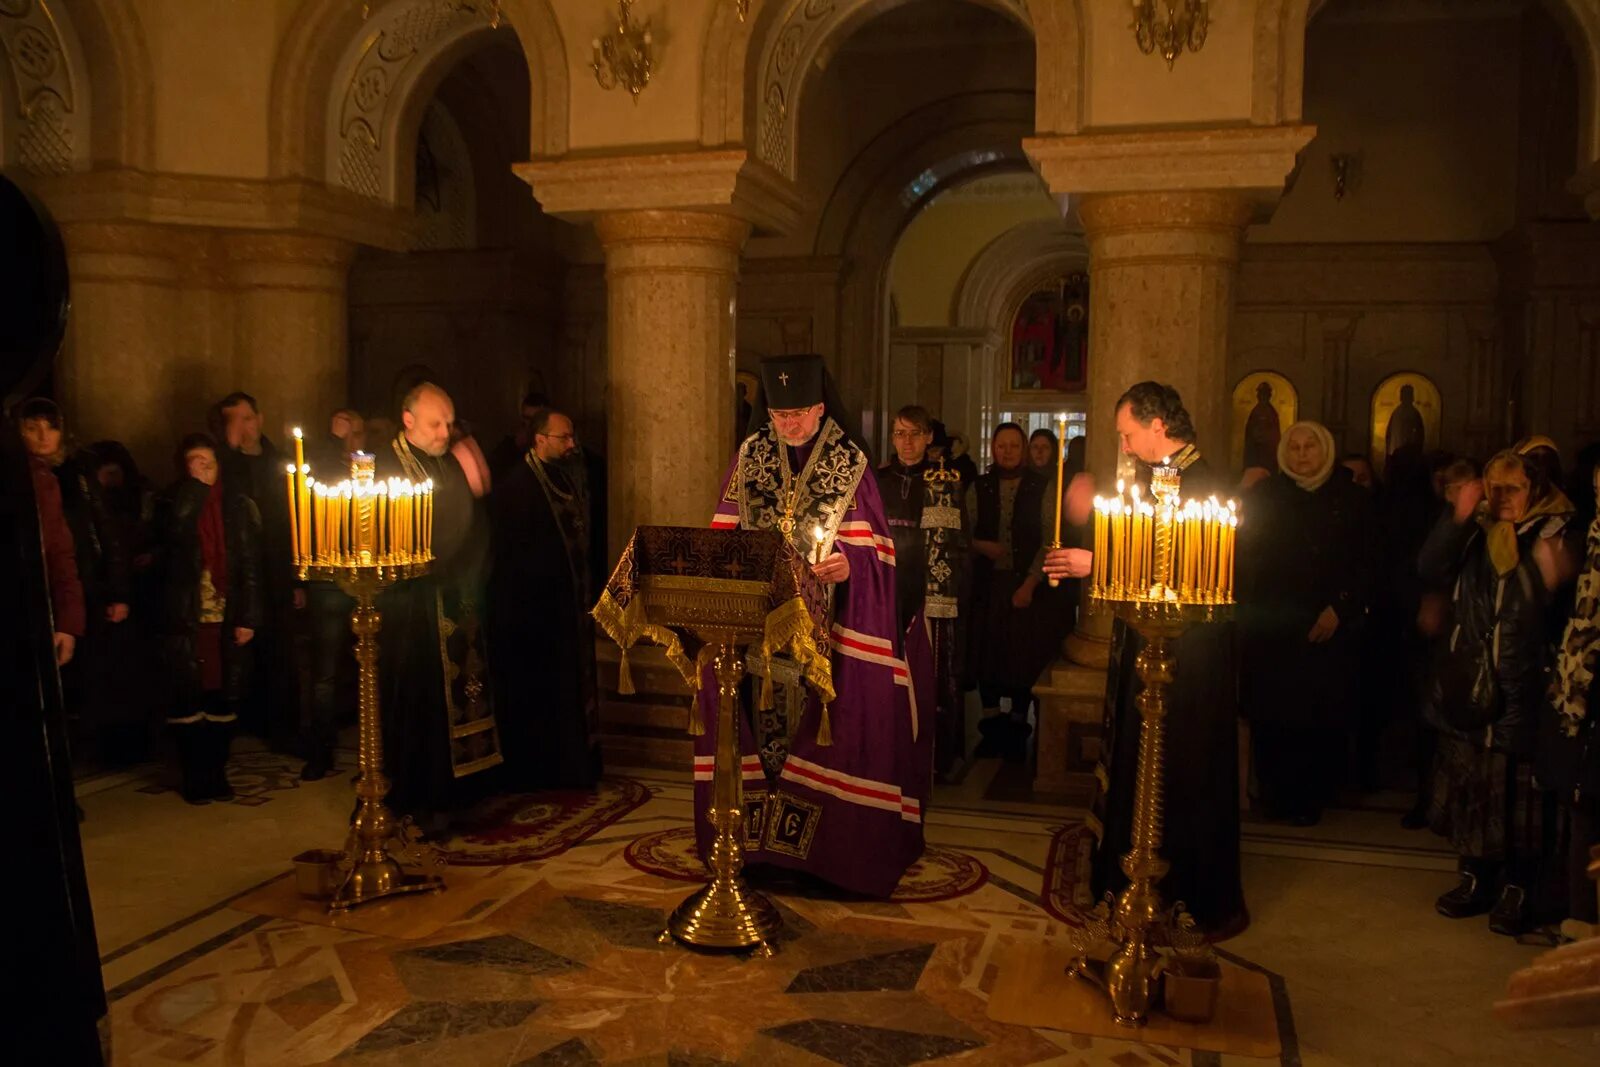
x: 360, y: 522
x: 1200, y: 542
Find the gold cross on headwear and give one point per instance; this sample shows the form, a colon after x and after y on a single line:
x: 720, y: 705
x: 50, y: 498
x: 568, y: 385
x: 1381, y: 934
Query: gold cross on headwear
x: 783, y: 379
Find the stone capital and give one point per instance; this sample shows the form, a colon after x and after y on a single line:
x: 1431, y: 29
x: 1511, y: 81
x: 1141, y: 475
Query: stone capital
x: 700, y: 241
x: 1164, y: 226
x: 721, y: 181
x: 183, y: 200
x: 1253, y: 160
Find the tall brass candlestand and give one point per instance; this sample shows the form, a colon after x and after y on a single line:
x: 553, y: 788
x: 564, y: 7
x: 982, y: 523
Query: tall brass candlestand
x: 383, y: 856
x: 364, y: 535
x: 1160, y: 609
x: 727, y: 913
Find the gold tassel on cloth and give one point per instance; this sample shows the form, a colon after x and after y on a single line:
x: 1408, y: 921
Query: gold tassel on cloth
x: 790, y: 629
x: 624, y: 676
x: 627, y: 627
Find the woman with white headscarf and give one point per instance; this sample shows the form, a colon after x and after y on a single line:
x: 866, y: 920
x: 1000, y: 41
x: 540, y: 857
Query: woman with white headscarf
x: 1305, y: 565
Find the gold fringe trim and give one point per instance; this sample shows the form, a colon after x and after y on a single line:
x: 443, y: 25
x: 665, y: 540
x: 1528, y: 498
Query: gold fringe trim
x: 627, y: 627
x: 789, y: 629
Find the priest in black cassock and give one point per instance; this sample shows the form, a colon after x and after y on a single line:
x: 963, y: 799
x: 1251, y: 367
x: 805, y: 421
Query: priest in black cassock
x: 1201, y: 840
x: 438, y: 716
x: 546, y: 700
x: 924, y: 503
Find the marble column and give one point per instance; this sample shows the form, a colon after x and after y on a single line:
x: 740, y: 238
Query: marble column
x: 1163, y: 266
x: 671, y: 279
x: 126, y: 370
x: 290, y: 317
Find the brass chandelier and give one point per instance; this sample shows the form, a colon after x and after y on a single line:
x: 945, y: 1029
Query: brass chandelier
x: 1183, y: 25
x: 622, y: 57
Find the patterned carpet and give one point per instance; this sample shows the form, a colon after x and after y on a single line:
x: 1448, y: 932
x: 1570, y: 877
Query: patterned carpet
x: 1066, y: 872
x: 941, y: 873
x: 559, y: 964
x: 524, y: 827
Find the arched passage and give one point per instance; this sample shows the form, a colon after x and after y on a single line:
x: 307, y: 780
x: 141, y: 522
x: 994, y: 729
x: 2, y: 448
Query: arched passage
x: 1279, y: 77
x: 881, y: 192
x: 77, y: 87
x: 345, y: 91
x: 754, y: 74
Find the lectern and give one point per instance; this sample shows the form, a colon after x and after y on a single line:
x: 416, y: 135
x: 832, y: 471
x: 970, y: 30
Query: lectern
x: 710, y: 598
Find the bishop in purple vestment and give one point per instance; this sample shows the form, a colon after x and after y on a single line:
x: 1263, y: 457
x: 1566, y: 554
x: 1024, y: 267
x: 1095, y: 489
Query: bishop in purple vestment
x: 839, y: 792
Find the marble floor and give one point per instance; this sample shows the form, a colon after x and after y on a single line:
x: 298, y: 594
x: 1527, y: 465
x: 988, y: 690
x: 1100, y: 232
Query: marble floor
x: 558, y: 964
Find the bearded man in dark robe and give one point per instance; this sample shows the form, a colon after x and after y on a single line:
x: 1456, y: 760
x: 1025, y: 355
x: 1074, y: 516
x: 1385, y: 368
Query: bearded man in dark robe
x: 439, y: 728
x: 1201, y: 773
x: 843, y: 787
x: 547, y: 705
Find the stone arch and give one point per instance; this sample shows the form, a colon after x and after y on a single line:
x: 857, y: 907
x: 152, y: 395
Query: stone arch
x: 1279, y: 57
x: 754, y: 73
x: 1011, y: 267
x: 1009, y: 270
x: 348, y: 93
x: 46, y: 113
x: 942, y: 144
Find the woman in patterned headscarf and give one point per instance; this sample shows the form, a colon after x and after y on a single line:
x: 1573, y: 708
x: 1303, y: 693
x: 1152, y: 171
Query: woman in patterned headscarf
x: 1507, y: 563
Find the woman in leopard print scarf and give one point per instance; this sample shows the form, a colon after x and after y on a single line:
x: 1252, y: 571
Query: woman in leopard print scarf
x: 1568, y: 759
x: 1580, y: 644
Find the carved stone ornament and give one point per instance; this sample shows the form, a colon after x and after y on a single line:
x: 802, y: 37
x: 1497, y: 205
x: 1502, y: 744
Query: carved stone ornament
x: 50, y: 135
x: 397, y: 43
x: 804, y: 27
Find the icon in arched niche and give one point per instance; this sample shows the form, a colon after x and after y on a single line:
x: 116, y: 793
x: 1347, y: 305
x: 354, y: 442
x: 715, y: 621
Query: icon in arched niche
x: 1405, y: 419
x: 1265, y: 404
x: 1050, y: 338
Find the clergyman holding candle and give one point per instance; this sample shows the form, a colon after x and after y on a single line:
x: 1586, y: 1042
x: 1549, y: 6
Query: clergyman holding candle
x: 1202, y: 811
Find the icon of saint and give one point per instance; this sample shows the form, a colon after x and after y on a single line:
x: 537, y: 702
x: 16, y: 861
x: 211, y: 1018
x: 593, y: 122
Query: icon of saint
x: 1262, y: 430
x: 1404, y: 434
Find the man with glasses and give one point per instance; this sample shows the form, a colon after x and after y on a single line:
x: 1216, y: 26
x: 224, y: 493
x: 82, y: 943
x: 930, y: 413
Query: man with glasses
x: 538, y: 613
x: 844, y: 783
x: 923, y: 501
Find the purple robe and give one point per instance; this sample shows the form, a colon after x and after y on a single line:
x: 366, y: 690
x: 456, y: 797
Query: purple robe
x: 850, y: 813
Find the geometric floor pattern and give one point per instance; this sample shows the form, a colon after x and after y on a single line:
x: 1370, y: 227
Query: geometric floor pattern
x: 563, y: 967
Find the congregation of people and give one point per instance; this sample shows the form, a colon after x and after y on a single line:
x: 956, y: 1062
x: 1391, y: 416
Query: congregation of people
x: 180, y: 619
x: 1423, y: 611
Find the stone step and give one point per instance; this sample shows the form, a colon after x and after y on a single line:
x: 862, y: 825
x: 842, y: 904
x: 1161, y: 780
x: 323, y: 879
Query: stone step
x: 674, y: 753
x: 652, y: 673
x: 624, y: 714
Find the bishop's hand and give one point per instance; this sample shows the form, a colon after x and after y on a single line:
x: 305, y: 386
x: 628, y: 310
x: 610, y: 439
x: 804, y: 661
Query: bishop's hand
x: 833, y: 570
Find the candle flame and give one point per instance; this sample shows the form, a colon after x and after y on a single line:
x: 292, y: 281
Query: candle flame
x: 290, y: 468
x: 297, y: 434
x: 819, y: 533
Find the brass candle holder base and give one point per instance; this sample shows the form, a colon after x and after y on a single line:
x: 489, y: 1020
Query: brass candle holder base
x: 727, y: 913
x: 383, y: 856
x: 1138, y: 923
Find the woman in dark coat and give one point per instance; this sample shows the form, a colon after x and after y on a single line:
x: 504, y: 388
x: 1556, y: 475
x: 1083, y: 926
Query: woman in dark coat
x: 1305, y: 581
x: 211, y: 606
x: 1012, y: 630
x: 1506, y: 567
